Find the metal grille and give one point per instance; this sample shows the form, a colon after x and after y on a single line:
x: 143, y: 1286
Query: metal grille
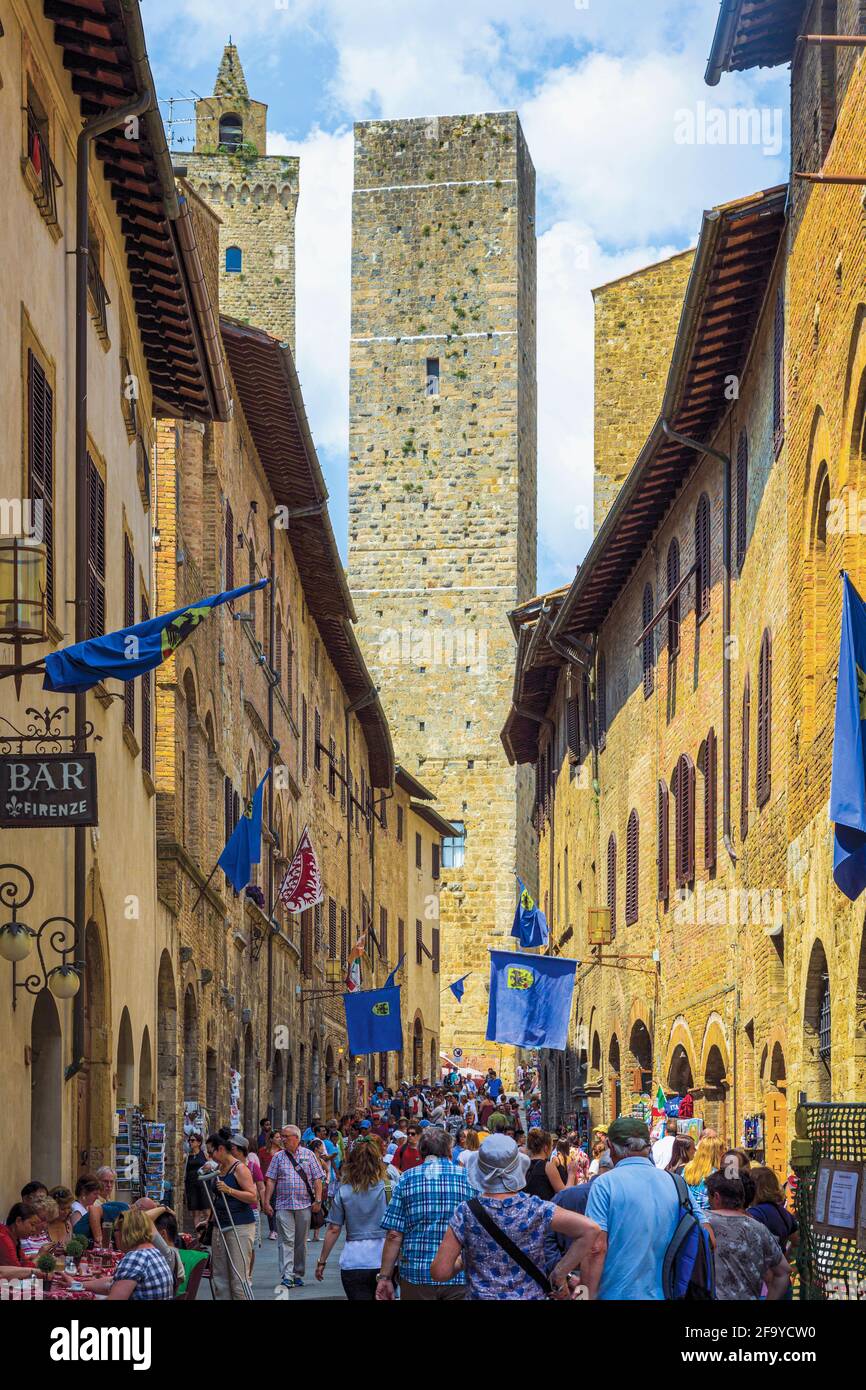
x: 824, y: 1021
x: 830, y: 1267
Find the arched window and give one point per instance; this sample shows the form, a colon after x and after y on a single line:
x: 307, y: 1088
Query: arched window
x: 611, y: 883
x: 765, y: 711
x: 663, y: 840
x: 816, y: 646
x: 631, y: 868
x: 231, y: 131
x: 742, y: 495
x: 744, y: 758
x: 710, y: 801
x: 684, y: 795
x: 702, y: 556
x: 648, y: 645
x: 234, y: 260
x: 673, y: 575
x: 601, y: 700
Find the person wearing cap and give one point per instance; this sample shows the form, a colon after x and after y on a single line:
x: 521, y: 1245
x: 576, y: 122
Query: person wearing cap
x: 637, y: 1208
x: 497, y: 1174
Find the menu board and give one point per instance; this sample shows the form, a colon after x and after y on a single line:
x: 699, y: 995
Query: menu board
x: 837, y: 1198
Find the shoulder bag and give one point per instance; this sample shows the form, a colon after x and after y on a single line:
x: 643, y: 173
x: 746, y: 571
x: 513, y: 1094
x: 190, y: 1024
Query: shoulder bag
x: 507, y: 1244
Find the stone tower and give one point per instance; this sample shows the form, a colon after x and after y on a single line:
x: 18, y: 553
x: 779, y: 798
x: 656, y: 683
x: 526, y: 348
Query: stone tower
x: 255, y: 196
x: 442, y: 493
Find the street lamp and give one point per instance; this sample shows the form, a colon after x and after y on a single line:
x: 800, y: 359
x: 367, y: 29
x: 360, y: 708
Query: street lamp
x: 17, y: 940
x: 23, y: 585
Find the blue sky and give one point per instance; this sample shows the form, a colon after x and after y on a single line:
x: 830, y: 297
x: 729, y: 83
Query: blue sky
x: 601, y: 87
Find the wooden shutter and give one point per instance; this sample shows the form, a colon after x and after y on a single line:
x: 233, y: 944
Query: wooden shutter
x: 278, y: 649
x: 601, y: 700
x: 307, y: 942
x: 663, y: 840
x: 435, y: 946
x: 673, y: 578
x: 631, y: 868
x: 611, y: 882
x: 332, y: 929
x: 742, y: 495
x: 435, y: 858
x: 317, y: 741
x: 230, y: 547
x: 317, y: 922
x: 538, y: 796
x: 342, y: 781
x: 684, y: 792
x: 95, y: 551
x: 146, y: 712
x: 418, y: 862
x: 584, y: 714
x: 40, y: 460
x: 710, y: 831
x: 227, y: 807
x: 765, y: 691
x: 779, y: 373
x: 304, y: 732
x: 344, y: 937
x: 419, y: 942
x: 399, y: 825
x: 702, y: 556
x: 744, y: 759
x: 383, y: 932
x: 128, y: 620
x: 401, y: 938
x: 332, y: 767
x: 290, y: 664
x: 572, y: 730
x: 648, y: 644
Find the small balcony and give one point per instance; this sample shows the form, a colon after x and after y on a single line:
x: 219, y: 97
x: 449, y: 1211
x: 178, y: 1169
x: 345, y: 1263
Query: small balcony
x: 41, y: 175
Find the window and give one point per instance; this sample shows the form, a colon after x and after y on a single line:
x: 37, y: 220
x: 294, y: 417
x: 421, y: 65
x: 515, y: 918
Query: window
x: 825, y: 1020
x: 765, y: 710
x: 684, y: 794
x: 332, y: 929
x: 663, y: 840
x: 146, y: 697
x: 399, y: 825
x: 673, y: 575
x: 307, y: 943
x: 401, y: 938
x: 742, y: 495
x: 230, y: 547
x: 383, y: 932
x: 432, y: 383
x: 744, y: 759
x: 317, y: 927
x: 779, y: 373
x: 40, y: 462
x: 290, y: 667
x: 702, y: 556
x: 332, y: 767
x: 96, y: 551
x: 611, y: 883
x: 234, y: 260
x: 344, y: 937
x: 710, y: 833
x: 584, y: 713
x: 356, y: 803
x: 383, y: 811
x: 40, y: 172
x: 601, y: 701
x: 128, y: 620
x: 648, y: 644
x: 434, y: 934
x: 631, y: 868
x: 342, y: 781
x: 453, y: 847
x: 419, y: 942
x: 417, y: 851
x: 231, y: 131
x: 317, y: 741
x: 435, y: 856
x: 304, y: 731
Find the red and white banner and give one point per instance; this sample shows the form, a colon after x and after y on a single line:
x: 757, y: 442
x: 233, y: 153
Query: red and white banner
x: 302, y: 886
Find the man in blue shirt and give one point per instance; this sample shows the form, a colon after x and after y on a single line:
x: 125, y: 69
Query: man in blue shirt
x: 637, y: 1208
x: 494, y: 1085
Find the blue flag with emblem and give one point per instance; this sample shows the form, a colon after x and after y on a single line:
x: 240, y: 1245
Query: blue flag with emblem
x: 848, y: 782
x: 530, y: 923
x: 389, y: 983
x: 458, y: 989
x: 131, y: 651
x: 530, y: 999
x: 244, y: 845
x: 373, y: 1021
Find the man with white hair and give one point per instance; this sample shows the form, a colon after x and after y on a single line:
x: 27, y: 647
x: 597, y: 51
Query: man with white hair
x: 637, y: 1208
x: 293, y: 1191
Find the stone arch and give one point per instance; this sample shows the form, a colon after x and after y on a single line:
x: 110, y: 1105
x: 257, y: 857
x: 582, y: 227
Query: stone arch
x: 614, y: 1062
x: 245, y: 193
x: 258, y: 195
x: 271, y: 195
x: 46, y: 1091
x: 680, y: 1056
x: 166, y: 1057
x: 125, y: 1067
x: 822, y: 554
x: 95, y: 1099
x: 230, y: 194
x: 715, y: 1036
x: 211, y: 1085
x: 231, y: 130
x: 852, y: 459
x: 640, y: 1049
x: 145, y: 1073
x: 417, y: 1047
x: 714, y: 1077
x: 817, y: 1067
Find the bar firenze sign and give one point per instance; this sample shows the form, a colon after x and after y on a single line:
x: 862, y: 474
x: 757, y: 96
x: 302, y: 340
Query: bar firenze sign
x: 47, y: 790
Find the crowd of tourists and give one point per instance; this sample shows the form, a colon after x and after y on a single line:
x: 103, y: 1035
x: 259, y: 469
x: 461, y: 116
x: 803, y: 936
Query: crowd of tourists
x: 441, y: 1192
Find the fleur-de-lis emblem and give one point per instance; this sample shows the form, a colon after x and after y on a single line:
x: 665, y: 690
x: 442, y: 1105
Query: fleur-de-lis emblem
x: 14, y: 807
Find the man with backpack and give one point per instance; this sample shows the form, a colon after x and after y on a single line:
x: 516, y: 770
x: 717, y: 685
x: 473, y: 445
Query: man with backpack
x: 637, y: 1207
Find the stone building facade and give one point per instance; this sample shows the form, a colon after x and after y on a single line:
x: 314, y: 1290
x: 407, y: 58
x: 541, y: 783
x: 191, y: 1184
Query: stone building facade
x: 442, y: 486
x: 255, y: 196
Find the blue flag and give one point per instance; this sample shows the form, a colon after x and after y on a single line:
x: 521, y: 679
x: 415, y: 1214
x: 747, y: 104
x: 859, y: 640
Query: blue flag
x: 244, y: 845
x: 389, y: 983
x: 458, y: 988
x: 373, y: 1021
x: 131, y: 651
x: 848, y: 782
x: 530, y: 999
x: 530, y: 923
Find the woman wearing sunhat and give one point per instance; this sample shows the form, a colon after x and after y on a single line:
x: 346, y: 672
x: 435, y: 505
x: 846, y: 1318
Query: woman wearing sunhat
x: 500, y: 1233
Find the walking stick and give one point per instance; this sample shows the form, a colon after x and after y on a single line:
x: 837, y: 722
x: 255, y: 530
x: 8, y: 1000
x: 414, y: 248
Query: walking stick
x: 242, y: 1279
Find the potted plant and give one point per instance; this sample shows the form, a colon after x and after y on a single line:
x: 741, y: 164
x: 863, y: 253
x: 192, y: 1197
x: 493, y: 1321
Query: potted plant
x: 46, y: 1264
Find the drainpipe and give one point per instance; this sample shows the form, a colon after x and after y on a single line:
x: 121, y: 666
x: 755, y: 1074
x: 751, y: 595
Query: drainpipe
x: 725, y: 460
x: 90, y: 131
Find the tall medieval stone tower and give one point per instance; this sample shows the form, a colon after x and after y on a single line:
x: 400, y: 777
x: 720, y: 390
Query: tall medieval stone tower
x: 442, y: 494
x: 255, y: 196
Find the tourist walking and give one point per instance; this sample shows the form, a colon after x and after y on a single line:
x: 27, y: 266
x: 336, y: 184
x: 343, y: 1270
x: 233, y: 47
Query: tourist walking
x: 417, y: 1218
x: 293, y: 1193
x: 408, y: 1154
x: 708, y: 1156
x: 235, y: 1199
x: 637, y: 1207
x: 358, y: 1207
x: 747, y: 1256
x: 543, y: 1176
x: 194, y: 1198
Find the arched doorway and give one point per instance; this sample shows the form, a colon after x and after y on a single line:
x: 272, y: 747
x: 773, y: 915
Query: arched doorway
x: 125, y: 1061
x: 210, y: 1081
x: 614, y: 1080
x: 330, y: 1081
x: 46, y: 1091
x: 191, y: 1073
x: 680, y: 1078
x: 145, y: 1075
x: 277, y: 1117
x: 715, y: 1093
x: 641, y: 1049
x: 249, y: 1084
x: 315, y: 1082
x: 417, y: 1049
x: 817, y: 1028
x: 776, y: 1115
x: 95, y: 1103
x: 166, y: 1059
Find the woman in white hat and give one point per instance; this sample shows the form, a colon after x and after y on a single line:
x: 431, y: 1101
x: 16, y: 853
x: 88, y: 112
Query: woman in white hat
x: 500, y: 1233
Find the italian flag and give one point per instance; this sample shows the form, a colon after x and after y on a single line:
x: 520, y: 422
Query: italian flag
x: 660, y: 1100
x: 353, y: 970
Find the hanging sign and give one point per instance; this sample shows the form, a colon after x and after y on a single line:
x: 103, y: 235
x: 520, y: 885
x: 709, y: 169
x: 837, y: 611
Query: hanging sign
x: 49, y: 790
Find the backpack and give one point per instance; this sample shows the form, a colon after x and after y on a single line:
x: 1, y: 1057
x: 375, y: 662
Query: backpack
x: 689, y: 1270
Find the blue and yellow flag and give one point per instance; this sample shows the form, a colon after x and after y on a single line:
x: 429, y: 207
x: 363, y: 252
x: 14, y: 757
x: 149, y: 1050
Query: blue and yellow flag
x: 131, y: 651
x: 530, y: 923
x: 848, y: 782
x: 373, y: 1021
x: 244, y: 846
x: 530, y: 999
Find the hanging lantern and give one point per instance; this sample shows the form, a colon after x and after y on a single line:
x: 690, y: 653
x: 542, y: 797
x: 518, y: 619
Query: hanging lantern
x: 15, y: 941
x: 64, y: 981
x: 22, y: 590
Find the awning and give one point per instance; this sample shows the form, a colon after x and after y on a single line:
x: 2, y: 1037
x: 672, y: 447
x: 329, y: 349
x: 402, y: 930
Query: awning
x: 754, y: 34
